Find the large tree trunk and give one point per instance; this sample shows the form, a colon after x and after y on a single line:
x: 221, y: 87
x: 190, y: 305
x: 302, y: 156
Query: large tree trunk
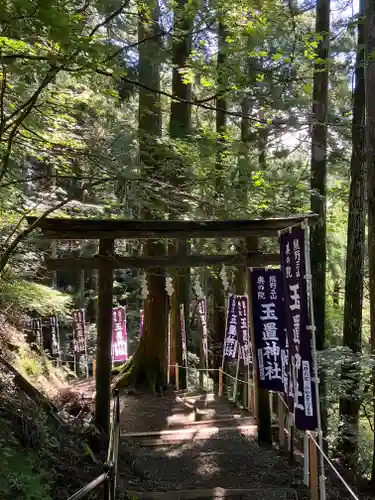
x: 221, y: 130
x: 180, y: 128
x: 319, y: 182
x: 149, y: 363
x: 370, y: 106
x: 350, y: 375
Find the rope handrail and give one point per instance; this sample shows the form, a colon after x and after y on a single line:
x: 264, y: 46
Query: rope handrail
x: 109, y: 475
x: 246, y: 382
x: 309, y: 434
x: 330, y: 463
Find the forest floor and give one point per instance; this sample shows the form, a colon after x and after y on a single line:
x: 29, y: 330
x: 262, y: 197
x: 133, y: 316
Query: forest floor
x: 184, y: 445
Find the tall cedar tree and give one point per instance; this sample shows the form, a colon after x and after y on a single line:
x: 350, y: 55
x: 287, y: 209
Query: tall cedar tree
x: 319, y: 180
x: 349, y: 405
x: 149, y: 363
x: 180, y: 128
x: 221, y: 131
x: 370, y: 136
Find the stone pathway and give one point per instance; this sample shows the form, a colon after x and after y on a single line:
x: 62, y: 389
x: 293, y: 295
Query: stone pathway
x: 199, y: 446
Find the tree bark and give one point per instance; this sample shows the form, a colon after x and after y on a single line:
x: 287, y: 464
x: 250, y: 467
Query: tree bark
x: 369, y: 20
x: 180, y: 128
x: 148, y: 365
x: 104, y: 341
x: 319, y: 183
x: 221, y: 130
x: 352, y: 331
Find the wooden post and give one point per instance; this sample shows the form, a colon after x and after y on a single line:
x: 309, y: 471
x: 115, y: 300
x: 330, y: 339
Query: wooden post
x: 314, y: 483
x: 177, y: 376
x: 104, y: 339
x: 306, y: 459
x: 201, y: 364
x: 220, y: 382
x: 261, y: 399
x: 94, y: 368
x: 281, y: 418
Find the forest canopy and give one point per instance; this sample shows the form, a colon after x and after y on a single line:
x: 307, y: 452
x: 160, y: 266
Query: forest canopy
x: 197, y: 110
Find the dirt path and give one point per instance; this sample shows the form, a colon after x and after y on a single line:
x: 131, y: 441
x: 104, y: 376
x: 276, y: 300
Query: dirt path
x: 205, y: 444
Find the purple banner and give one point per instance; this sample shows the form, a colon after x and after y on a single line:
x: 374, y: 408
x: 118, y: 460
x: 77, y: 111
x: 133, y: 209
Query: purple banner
x: 302, y: 398
x: 36, y: 328
x: 54, y: 325
x: 267, y: 288
x: 202, y: 312
x: 79, y: 331
x: 231, y: 334
x: 183, y: 334
x: 237, y: 342
x: 241, y: 308
x: 119, y: 335
x: 141, y: 314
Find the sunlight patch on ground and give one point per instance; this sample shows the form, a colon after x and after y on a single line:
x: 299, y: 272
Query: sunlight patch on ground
x: 179, y: 419
x: 208, y: 469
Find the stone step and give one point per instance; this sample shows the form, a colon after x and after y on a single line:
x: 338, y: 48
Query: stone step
x: 219, y: 494
x: 175, y: 436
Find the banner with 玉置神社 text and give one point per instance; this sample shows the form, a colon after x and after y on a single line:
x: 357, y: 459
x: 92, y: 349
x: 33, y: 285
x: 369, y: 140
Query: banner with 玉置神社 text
x: 237, y: 342
x: 267, y: 288
x: 301, y: 393
x: 79, y: 331
x: 119, y: 335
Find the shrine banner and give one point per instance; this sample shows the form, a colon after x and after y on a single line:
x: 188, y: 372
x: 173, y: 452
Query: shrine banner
x: 54, y: 326
x: 36, y: 328
x: 141, y: 314
x: 231, y: 334
x: 79, y: 331
x: 302, y: 398
x: 202, y: 312
x: 241, y: 308
x: 267, y: 288
x: 183, y: 334
x: 119, y: 335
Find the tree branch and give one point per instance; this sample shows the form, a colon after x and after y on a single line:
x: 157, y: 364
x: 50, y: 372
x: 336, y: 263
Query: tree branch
x: 110, y: 18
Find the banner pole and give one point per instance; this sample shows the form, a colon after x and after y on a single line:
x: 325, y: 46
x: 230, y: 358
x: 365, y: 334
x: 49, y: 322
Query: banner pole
x: 225, y: 333
x: 308, y: 279
x: 58, y: 342
x: 250, y: 348
x: 252, y: 343
x: 169, y: 349
x: 237, y: 370
x: 86, y: 358
x: 206, y: 360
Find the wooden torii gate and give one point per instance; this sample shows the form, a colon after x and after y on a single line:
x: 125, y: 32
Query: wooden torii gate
x: 108, y: 230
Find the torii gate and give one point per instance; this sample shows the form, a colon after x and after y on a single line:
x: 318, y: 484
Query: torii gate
x: 108, y: 230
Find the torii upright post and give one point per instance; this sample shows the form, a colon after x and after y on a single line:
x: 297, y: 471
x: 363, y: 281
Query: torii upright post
x: 104, y: 339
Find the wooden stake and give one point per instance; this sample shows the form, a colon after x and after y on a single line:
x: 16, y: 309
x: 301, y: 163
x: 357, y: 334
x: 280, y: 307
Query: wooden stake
x: 104, y: 340
x: 249, y: 396
x: 314, y: 483
x: 177, y: 378
x: 220, y: 382
x: 281, y: 417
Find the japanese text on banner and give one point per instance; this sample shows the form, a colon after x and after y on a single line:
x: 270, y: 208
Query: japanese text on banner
x: 231, y: 337
x: 301, y: 396
x: 269, y: 329
x: 237, y: 342
x: 241, y: 309
x: 54, y: 325
x: 79, y: 331
x: 119, y: 335
x: 202, y: 312
x: 183, y: 334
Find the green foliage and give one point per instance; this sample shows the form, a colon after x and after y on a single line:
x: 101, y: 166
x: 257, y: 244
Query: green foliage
x: 19, y: 476
x: 27, y: 296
